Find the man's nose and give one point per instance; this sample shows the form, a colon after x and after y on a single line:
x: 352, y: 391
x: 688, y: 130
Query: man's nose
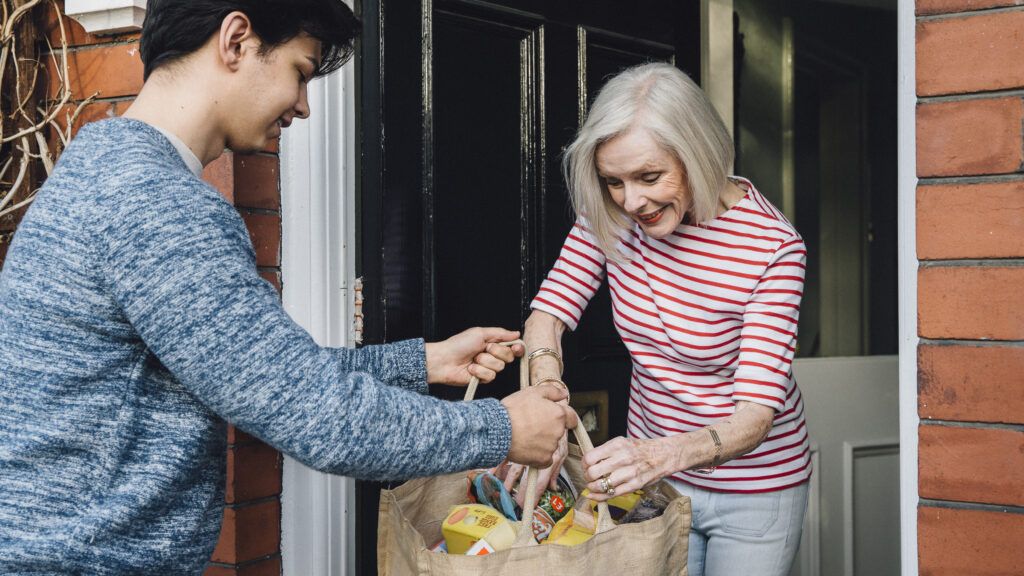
x: 302, y: 106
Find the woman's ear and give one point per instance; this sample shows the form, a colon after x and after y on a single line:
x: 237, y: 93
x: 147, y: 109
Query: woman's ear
x: 234, y: 31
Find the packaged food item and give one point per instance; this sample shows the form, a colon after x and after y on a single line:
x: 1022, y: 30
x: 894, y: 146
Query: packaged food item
x: 487, y: 489
x: 481, y: 548
x: 567, y: 533
x: 651, y: 505
x: 440, y: 546
x: 619, y: 506
x: 551, y: 508
x: 467, y: 524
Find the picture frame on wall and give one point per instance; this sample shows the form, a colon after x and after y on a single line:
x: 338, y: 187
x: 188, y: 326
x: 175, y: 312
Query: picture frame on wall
x: 592, y: 408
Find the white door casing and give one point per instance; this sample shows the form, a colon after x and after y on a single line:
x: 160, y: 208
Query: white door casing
x: 318, y: 275
x: 907, y: 277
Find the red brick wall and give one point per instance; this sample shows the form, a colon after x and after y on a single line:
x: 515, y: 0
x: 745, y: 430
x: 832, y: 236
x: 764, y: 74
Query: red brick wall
x: 970, y: 242
x: 110, y: 67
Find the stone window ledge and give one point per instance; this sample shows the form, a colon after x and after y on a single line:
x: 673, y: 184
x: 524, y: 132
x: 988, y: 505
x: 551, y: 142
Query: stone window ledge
x: 107, y: 16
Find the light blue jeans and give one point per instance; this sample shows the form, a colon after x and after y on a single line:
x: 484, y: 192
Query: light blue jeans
x: 744, y: 534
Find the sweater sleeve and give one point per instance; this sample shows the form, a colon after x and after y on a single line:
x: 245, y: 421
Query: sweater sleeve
x: 768, y: 337
x: 574, y: 279
x: 182, y: 268
x: 402, y: 364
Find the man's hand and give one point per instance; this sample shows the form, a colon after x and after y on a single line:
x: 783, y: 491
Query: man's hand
x: 538, y: 424
x: 475, y: 352
x: 513, y: 474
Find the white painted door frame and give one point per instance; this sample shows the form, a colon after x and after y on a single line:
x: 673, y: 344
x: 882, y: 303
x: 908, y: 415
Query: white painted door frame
x: 318, y: 269
x: 907, y: 277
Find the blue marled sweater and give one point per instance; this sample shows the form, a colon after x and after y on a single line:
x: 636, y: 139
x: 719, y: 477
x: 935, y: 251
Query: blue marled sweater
x: 132, y: 321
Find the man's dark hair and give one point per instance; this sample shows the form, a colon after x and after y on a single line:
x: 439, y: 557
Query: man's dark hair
x: 174, y: 29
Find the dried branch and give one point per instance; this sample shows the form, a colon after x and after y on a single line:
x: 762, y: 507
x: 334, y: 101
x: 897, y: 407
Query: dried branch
x: 26, y: 118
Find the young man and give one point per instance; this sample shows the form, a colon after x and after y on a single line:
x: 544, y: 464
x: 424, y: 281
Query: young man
x: 133, y: 322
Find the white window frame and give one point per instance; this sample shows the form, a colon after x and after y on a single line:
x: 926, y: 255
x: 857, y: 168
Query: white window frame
x: 318, y: 273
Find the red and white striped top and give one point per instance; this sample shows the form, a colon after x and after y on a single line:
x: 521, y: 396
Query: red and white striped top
x: 709, y: 316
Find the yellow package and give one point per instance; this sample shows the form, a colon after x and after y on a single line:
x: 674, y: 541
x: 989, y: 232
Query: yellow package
x: 566, y: 533
x: 619, y: 506
x: 468, y: 523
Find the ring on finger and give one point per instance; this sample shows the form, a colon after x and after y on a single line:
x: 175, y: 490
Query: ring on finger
x: 606, y: 485
x: 610, y: 491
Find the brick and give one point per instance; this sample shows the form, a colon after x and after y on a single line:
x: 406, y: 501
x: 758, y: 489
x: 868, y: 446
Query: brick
x: 971, y: 464
x: 274, y: 278
x: 268, y: 567
x: 991, y: 216
x: 92, y: 112
x: 925, y: 7
x: 237, y: 437
x: 254, y: 472
x: 265, y: 232
x: 970, y: 54
x: 971, y: 383
x: 257, y: 181
x: 969, y: 137
x: 74, y: 33
x: 221, y: 175
x: 248, y: 533
x: 955, y: 542
x: 109, y: 70
x: 971, y: 302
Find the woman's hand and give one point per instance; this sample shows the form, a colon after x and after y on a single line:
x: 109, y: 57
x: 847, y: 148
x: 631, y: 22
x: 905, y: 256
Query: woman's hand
x: 514, y: 475
x: 628, y: 463
x: 475, y: 352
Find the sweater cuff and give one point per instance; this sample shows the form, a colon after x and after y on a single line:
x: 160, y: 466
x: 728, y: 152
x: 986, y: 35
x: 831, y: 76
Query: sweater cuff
x: 497, y: 439
x: 405, y: 365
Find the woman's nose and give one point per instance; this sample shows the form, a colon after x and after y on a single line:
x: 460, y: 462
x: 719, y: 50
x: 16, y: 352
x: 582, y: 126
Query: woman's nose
x: 635, y: 200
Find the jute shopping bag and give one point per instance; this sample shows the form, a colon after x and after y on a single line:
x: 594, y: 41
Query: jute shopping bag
x: 410, y: 519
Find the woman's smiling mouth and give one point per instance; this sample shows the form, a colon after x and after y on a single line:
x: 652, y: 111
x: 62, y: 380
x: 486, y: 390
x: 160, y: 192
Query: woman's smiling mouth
x: 652, y: 218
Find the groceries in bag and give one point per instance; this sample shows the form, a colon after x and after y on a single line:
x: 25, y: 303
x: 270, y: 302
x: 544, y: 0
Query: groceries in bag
x: 476, y: 527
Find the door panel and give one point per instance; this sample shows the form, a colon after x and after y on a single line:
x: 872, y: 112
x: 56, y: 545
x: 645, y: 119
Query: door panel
x: 852, y: 523
x: 484, y: 182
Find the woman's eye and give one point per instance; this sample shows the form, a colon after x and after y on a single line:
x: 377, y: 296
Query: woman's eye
x: 613, y: 183
x: 651, y: 177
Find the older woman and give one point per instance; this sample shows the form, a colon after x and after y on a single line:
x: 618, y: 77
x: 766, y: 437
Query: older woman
x: 706, y: 278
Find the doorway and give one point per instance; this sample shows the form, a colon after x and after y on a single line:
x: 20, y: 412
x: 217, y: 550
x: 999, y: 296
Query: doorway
x: 815, y: 99
x: 465, y: 107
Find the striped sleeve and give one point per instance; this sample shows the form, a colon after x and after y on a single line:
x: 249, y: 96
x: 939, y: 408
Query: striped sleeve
x: 768, y: 337
x: 573, y: 280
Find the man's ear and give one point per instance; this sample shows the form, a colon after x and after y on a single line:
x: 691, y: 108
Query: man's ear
x: 234, y: 31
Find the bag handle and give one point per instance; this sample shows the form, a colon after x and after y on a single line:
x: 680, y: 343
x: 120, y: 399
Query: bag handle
x: 525, y: 537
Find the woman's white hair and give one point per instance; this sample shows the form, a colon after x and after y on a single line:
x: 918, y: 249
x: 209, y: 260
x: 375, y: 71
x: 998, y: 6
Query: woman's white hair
x: 662, y: 100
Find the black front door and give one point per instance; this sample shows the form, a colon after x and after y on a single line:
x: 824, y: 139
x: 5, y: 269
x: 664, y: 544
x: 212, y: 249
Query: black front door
x: 465, y: 109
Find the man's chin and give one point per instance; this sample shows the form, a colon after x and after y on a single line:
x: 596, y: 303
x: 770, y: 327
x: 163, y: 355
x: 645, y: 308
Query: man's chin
x: 247, y: 147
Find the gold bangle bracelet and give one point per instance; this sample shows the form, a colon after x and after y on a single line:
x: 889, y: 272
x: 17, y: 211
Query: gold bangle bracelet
x: 718, y: 453
x: 718, y: 448
x: 547, y: 352
x: 553, y: 381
